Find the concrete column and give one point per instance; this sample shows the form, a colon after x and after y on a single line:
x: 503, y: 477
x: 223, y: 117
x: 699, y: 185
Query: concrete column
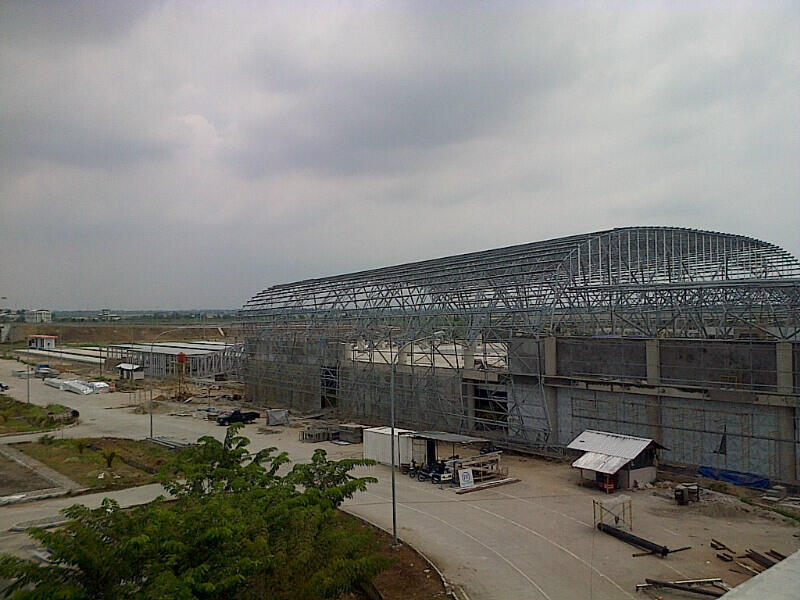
x: 787, y: 451
x: 550, y: 356
x: 783, y: 363
x: 787, y: 458
x: 550, y: 392
x: 653, y: 362
x: 551, y: 406
x: 402, y: 354
x: 654, y: 419
x: 469, y: 356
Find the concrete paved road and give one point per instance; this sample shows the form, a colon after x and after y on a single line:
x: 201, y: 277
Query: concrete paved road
x: 532, y: 539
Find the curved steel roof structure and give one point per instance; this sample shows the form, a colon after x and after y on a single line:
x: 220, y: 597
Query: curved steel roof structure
x: 644, y: 281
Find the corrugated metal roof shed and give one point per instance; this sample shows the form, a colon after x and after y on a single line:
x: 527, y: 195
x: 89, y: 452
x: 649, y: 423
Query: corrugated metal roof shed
x: 603, y: 463
x: 173, y: 348
x: 612, y: 444
x: 453, y: 438
x: 128, y: 367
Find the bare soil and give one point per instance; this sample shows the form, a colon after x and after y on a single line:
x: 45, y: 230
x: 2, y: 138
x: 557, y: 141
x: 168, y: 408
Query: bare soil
x: 410, y: 577
x: 15, y: 479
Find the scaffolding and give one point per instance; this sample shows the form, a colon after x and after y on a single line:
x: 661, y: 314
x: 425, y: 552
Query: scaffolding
x: 465, y: 334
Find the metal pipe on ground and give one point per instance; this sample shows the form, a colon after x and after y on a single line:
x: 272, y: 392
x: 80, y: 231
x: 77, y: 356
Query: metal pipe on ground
x: 634, y: 540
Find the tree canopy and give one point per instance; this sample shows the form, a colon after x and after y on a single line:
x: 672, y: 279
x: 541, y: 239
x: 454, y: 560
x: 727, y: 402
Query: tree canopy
x: 239, y: 525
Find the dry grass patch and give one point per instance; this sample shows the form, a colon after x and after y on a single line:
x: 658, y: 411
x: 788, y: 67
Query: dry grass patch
x: 20, y: 417
x: 100, y: 463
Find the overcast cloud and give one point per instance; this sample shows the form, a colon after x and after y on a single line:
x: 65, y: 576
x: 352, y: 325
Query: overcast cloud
x: 181, y: 155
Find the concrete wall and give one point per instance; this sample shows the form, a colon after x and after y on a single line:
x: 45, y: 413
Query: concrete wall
x: 691, y: 429
x: 733, y: 364
x: 682, y: 393
x: 637, y: 477
x: 601, y: 358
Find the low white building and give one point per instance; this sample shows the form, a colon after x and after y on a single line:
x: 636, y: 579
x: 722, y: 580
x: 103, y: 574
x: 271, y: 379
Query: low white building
x: 378, y: 445
x: 613, y: 460
x: 38, y: 316
x: 42, y: 342
x: 130, y: 371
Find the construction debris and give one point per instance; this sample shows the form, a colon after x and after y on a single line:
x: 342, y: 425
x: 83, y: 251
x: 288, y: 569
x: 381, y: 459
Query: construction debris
x: 486, y: 485
x: 724, y: 556
x: 314, y: 435
x: 717, y: 545
x: 776, y: 555
x: 702, y: 587
x: 352, y: 432
x: 170, y: 443
x: 759, y: 559
x: 277, y: 416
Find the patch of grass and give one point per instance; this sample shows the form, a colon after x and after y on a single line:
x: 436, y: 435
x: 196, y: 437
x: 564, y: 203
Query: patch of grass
x: 719, y: 486
x: 122, y: 463
x: 792, y: 516
x: 20, y: 417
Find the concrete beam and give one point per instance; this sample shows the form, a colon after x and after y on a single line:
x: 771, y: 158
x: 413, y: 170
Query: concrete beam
x: 783, y: 364
x: 720, y: 395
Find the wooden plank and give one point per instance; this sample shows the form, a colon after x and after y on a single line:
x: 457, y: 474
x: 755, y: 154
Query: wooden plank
x: 487, y: 485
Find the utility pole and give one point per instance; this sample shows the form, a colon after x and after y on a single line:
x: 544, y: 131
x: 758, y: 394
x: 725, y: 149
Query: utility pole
x: 28, y: 379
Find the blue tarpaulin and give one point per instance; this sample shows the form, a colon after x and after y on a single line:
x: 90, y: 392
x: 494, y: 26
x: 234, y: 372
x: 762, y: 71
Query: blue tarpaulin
x: 735, y: 477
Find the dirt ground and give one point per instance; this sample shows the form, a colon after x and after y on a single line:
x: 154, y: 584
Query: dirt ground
x: 409, y: 578
x: 15, y: 479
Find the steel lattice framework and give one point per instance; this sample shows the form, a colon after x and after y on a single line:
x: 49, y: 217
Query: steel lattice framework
x: 646, y: 281
x: 439, y: 319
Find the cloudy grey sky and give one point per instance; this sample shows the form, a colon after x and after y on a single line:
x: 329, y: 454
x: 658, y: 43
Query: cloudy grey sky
x: 188, y: 154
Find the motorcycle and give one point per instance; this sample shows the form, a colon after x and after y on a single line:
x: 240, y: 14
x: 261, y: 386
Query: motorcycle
x: 432, y: 471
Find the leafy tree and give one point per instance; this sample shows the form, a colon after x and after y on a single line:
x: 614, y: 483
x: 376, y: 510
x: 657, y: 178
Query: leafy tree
x: 237, y: 529
x: 109, y: 456
x: 80, y: 444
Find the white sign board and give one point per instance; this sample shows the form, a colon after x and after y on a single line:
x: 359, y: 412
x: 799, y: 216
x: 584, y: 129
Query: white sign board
x: 465, y: 479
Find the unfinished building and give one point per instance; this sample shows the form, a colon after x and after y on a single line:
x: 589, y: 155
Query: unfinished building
x: 691, y: 338
x: 202, y: 360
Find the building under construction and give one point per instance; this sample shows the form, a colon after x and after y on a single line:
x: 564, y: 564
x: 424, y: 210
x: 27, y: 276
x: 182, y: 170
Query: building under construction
x: 691, y: 338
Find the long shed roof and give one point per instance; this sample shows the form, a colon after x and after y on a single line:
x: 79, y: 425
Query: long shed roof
x: 611, y: 444
x: 602, y: 463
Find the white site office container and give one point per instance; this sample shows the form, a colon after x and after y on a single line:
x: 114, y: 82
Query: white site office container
x: 377, y: 445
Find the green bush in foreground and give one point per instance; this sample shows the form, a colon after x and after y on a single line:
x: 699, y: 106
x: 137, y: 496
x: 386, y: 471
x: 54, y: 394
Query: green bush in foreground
x: 237, y: 529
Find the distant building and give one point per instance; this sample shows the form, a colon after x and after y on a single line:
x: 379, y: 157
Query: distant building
x: 107, y: 315
x: 42, y: 342
x: 38, y: 316
x: 130, y: 371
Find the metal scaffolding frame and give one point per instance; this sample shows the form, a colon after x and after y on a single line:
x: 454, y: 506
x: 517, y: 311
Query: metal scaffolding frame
x: 451, y: 320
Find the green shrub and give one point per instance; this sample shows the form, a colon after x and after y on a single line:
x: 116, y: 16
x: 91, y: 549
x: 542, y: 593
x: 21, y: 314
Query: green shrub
x: 109, y: 456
